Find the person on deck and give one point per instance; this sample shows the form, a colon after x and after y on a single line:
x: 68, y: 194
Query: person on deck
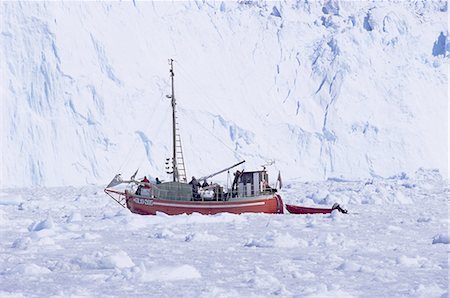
x: 146, y: 182
x: 158, y: 181
x: 195, y: 186
x: 264, y: 185
x: 237, y: 175
x: 205, y: 183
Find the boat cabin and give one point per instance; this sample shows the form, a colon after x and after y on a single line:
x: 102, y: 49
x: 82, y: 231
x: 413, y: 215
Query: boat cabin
x: 252, y: 183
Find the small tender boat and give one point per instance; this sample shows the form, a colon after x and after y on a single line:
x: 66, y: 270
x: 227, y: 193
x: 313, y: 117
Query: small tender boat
x: 249, y: 192
x: 294, y: 209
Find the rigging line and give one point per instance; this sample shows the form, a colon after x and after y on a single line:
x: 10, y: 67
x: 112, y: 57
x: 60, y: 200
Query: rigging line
x: 133, y: 147
x: 157, y: 132
x: 208, y: 131
x: 127, y: 155
x: 208, y: 101
x: 142, y: 34
x: 196, y: 88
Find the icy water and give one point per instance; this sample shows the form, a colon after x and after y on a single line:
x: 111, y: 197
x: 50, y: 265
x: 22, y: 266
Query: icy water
x: 63, y: 242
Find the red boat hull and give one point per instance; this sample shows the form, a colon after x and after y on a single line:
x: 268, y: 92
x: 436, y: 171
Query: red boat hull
x: 306, y: 210
x: 148, y: 206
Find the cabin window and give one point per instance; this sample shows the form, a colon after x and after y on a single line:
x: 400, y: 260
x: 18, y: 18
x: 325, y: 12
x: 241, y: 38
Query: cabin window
x: 247, y: 178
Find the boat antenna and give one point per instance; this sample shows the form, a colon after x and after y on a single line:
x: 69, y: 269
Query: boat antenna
x: 172, y: 96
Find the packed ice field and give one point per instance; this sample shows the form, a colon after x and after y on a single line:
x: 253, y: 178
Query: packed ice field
x: 69, y: 242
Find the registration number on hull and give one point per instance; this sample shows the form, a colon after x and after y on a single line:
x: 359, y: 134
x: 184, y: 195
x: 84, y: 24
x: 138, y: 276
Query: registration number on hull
x: 143, y: 201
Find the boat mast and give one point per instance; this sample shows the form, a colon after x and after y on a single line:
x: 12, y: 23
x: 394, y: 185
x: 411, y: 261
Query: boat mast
x: 174, y: 155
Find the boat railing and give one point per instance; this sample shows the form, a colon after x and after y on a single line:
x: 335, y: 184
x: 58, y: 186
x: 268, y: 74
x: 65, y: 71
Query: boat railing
x: 185, y: 192
x: 253, y: 190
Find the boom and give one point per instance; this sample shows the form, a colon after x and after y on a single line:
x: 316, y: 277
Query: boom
x: 219, y: 172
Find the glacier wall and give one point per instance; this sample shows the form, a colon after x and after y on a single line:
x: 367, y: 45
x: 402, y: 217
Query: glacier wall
x: 323, y: 88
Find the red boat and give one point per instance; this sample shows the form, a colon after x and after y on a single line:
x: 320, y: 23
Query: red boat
x: 312, y: 210
x: 249, y: 192
x: 150, y: 205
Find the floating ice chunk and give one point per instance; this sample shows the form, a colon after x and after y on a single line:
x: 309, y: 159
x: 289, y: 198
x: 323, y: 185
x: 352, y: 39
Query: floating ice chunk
x: 392, y: 228
x: 13, y: 200
x: 28, y: 269
x: 118, y: 260
x: 260, y: 278
x: 385, y: 194
x: 306, y: 275
x: 161, y: 214
x: 42, y: 225
x: 121, y: 213
x: 222, y: 7
x: 4, y: 294
x: 275, y: 12
x: 104, y: 260
x: 217, y: 292
x: 47, y: 241
x: 320, y: 196
x: 276, y: 240
x: 424, y: 218
x: 441, y: 238
x: 411, y: 262
x: 320, y: 293
x: 408, y: 185
x: 401, y: 198
x: 130, y: 221
x: 3, y: 217
x: 331, y: 7
x: 310, y: 221
x: 428, y: 175
x: 21, y: 243
x: 74, y: 217
x: 171, y: 273
x: 308, y: 202
x: 200, y: 218
x: 201, y: 236
x: 429, y: 290
x: 163, y: 234
x: 368, y: 22
x: 89, y: 236
x: 335, y: 215
x: 439, y: 46
x: 349, y: 266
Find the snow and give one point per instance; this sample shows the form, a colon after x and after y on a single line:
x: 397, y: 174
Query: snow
x: 84, y: 244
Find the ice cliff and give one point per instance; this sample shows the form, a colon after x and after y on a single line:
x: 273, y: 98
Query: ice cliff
x: 323, y: 88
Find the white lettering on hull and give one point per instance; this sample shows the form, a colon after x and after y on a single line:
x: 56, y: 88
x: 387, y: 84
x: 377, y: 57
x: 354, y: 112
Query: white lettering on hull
x: 143, y: 201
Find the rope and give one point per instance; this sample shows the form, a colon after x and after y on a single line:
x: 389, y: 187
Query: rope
x: 136, y: 139
x: 208, y: 101
x: 197, y: 89
x: 157, y: 133
x: 213, y: 135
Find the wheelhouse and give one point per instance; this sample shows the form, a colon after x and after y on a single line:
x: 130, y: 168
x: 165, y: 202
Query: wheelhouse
x: 252, y: 183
